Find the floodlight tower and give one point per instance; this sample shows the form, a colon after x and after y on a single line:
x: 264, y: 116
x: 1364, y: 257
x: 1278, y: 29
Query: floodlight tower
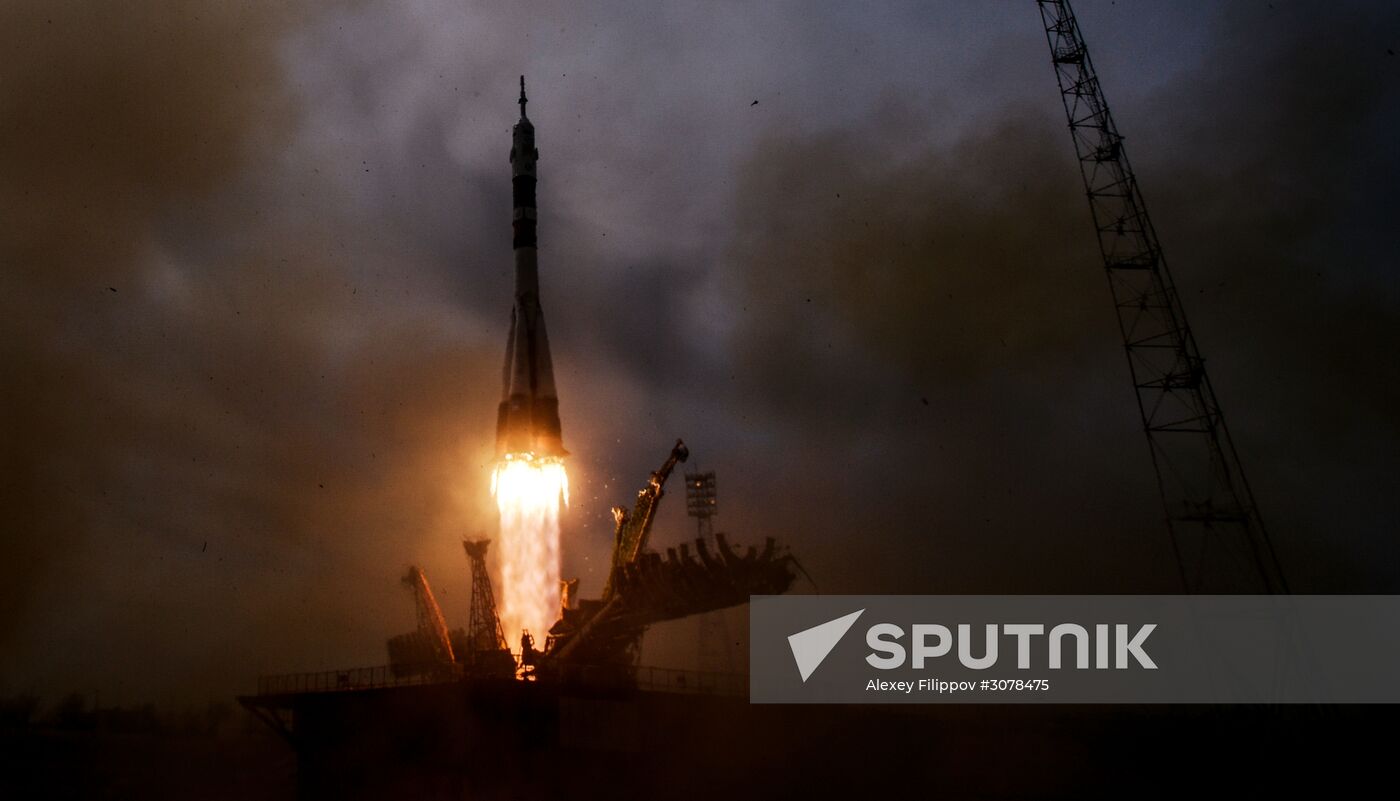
x: 1217, y: 534
x: 700, y: 502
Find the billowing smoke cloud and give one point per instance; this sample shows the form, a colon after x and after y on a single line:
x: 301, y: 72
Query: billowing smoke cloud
x: 111, y: 115
x: 222, y: 431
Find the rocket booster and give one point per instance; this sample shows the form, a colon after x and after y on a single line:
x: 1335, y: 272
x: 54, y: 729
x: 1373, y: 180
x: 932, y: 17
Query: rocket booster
x: 528, y: 418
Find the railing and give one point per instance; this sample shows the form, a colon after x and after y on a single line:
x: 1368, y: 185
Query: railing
x: 647, y: 679
x: 352, y: 679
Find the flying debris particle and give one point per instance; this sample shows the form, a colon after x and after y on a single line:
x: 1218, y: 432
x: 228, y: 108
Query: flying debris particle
x: 205, y: 548
x: 754, y: 103
x: 112, y: 288
x: 924, y: 401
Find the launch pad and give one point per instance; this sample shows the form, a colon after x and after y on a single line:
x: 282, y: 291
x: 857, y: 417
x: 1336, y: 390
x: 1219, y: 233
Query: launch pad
x: 593, y: 645
x: 574, y: 714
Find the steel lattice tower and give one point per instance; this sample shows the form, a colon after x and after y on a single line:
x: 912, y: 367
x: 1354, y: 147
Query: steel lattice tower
x: 484, y: 628
x: 1217, y: 534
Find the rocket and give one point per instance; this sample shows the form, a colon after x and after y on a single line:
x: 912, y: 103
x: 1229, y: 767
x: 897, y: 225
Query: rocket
x: 527, y: 422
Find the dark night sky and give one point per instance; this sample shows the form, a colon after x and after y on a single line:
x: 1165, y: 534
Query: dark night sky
x: 257, y: 273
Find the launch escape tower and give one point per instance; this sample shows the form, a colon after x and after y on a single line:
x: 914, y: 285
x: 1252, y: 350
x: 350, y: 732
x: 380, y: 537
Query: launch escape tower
x: 1217, y: 534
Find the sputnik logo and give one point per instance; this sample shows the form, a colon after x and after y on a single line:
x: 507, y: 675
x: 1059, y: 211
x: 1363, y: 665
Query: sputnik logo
x: 810, y: 647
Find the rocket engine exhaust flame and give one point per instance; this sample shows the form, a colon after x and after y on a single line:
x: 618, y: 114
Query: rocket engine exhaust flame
x: 529, y: 494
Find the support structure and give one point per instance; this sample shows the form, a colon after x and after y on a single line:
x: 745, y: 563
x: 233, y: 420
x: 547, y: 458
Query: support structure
x: 1219, y: 538
x: 428, y: 648
x: 484, y: 627
x: 599, y: 639
x: 486, y: 648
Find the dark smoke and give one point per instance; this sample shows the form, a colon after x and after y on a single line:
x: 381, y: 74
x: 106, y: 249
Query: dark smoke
x: 110, y: 115
x: 218, y: 437
x: 933, y: 326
